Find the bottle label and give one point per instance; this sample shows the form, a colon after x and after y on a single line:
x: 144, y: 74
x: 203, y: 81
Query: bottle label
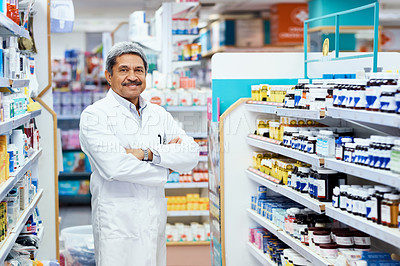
x: 397, y: 100
x: 372, y: 96
x: 362, y: 241
x: 290, y: 103
x: 388, y: 103
x: 344, y: 240
x: 355, y: 206
x: 359, y: 99
x: 335, y: 201
x: 385, y: 214
x: 347, y: 156
x: 339, y: 151
x: 342, y: 202
x: 321, y: 189
x: 321, y: 239
x: 368, y: 209
x: 374, y: 209
x: 310, y: 148
x: 362, y: 208
x: 335, y: 97
x: 349, y: 205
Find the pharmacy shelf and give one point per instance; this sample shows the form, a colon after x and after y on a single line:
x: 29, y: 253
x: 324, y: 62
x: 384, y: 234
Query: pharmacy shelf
x: 75, y: 199
x: 262, y: 107
x: 389, y: 235
x: 187, y: 213
x: 17, y: 175
x: 68, y: 117
x: 197, y: 135
x: 273, y: 145
x: 203, y: 158
x: 12, y: 84
x: 307, y: 114
x: 296, y: 196
x: 40, y: 236
x: 259, y: 255
x: 202, y: 108
x: 17, y: 121
x: 183, y: 64
x: 186, y: 185
x: 378, y: 118
x: 290, y: 241
x: 74, y: 176
x: 380, y: 176
x: 8, y: 243
x: 184, y: 37
x: 10, y: 28
x: 189, y: 243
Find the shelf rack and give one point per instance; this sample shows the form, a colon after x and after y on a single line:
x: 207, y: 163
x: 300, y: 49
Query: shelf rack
x: 17, y: 121
x: 10, y: 28
x: 8, y: 243
x: 273, y: 145
x: 378, y: 118
x: 308, y: 114
x: 75, y: 199
x: 200, y: 108
x: 263, y: 107
x: 259, y: 255
x: 187, y: 213
x: 183, y: 64
x: 364, y: 172
x: 301, y: 198
x: 17, y: 175
x: 186, y: 185
x: 68, y: 117
x: 74, y: 176
x: 290, y: 241
x: 189, y: 243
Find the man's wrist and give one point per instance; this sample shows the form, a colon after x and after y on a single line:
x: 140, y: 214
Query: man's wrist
x: 147, y: 155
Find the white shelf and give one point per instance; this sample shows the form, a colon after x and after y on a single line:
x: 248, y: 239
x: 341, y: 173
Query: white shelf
x: 378, y: 118
x: 184, y: 37
x: 389, y: 235
x: 17, y: 121
x: 261, y: 107
x: 293, y: 243
x: 183, y: 64
x: 8, y: 243
x: 202, y: 108
x: 68, y: 117
x: 10, y: 28
x: 259, y: 255
x: 273, y: 146
x: 40, y: 236
x: 308, y: 114
x: 198, y: 135
x: 380, y: 176
x: 17, y: 175
x: 12, y: 84
x: 301, y: 198
x: 186, y: 185
x: 187, y: 213
x: 203, y: 158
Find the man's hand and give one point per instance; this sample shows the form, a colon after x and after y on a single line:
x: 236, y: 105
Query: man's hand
x: 138, y: 153
x: 176, y: 140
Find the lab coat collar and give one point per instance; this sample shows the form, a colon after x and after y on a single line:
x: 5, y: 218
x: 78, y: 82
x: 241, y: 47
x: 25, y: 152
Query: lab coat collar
x: 124, y: 106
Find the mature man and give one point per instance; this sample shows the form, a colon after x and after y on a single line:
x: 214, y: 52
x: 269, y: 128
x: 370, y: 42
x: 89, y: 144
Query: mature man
x: 131, y: 144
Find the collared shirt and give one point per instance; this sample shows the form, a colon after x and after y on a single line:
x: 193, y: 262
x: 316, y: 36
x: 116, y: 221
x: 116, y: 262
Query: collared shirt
x: 132, y: 108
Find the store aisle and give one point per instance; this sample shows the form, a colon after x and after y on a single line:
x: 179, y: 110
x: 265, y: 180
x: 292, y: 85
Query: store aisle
x: 74, y: 216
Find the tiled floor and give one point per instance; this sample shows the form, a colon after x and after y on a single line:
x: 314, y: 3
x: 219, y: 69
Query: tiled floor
x: 74, y: 216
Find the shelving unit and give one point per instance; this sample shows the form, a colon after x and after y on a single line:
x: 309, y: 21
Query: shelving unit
x: 75, y: 199
x: 183, y: 64
x: 17, y: 175
x: 17, y: 121
x: 189, y: 243
x: 364, y: 172
x: 74, y: 176
x: 187, y: 213
x: 10, y: 28
x: 8, y: 243
x: 186, y: 185
x: 186, y: 108
x: 290, y: 241
x: 262, y: 258
x: 68, y: 117
x: 300, y: 113
x: 378, y: 118
x: 273, y: 145
x: 301, y: 198
x: 262, y: 107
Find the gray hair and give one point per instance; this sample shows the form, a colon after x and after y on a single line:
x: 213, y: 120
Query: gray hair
x: 122, y: 48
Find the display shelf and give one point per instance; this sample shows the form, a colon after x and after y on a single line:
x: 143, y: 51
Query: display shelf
x: 184, y: 37
x: 308, y: 114
x: 273, y: 145
x: 68, y: 117
x: 380, y: 176
x: 263, y: 221
x: 187, y: 213
x: 301, y: 198
x: 10, y: 85
x: 202, y: 108
x: 40, y: 236
x: 262, y: 107
x: 189, y: 243
x: 197, y: 135
x: 259, y: 255
x: 183, y: 64
x: 389, y: 235
x: 17, y: 175
x: 265, y: 49
x: 74, y: 176
x: 378, y: 118
x: 186, y: 185
x: 75, y: 199
x: 203, y: 158
x: 17, y: 121
x: 10, y: 28
x: 8, y: 243
x: 69, y: 150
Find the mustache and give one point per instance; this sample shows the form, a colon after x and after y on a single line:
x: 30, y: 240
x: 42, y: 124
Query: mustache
x: 136, y: 83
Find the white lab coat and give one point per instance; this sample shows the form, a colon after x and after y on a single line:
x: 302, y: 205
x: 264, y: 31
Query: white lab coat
x: 129, y: 209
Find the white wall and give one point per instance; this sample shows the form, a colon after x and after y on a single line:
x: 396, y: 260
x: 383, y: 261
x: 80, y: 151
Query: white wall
x: 47, y: 204
x: 66, y: 41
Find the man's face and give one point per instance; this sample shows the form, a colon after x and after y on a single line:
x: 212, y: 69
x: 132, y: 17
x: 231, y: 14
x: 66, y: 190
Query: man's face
x: 129, y: 77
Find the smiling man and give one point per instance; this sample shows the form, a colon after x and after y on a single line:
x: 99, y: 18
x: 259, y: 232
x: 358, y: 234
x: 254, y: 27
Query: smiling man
x: 131, y: 144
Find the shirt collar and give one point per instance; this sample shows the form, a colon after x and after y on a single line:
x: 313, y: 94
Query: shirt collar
x: 127, y: 104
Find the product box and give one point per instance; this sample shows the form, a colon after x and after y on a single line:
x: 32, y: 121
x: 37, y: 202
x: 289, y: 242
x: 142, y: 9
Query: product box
x: 74, y: 162
x: 70, y: 187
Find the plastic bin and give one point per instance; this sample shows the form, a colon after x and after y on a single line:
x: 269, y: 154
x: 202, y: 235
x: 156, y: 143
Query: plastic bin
x: 79, y: 245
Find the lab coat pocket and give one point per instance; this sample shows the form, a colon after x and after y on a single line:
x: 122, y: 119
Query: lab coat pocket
x: 119, y: 218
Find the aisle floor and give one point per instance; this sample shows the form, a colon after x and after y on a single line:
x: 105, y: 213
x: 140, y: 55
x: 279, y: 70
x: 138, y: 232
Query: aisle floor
x: 74, y: 216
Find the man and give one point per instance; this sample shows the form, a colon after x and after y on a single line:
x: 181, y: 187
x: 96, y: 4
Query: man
x: 131, y: 144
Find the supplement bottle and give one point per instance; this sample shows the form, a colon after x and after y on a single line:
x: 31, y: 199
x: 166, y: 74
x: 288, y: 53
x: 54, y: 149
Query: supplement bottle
x: 343, y: 197
x: 394, y: 164
x: 369, y: 203
x: 373, y: 92
x: 377, y: 201
x: 387, y: 99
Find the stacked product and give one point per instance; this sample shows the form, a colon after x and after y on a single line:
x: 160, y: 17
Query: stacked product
x: 184, y: 51
x: 194, y: 232
x: 177, y: 97
x: 269, y: 93
x: 185, y: 26
x: 190, y: 202
x: 198, y: 174
x: 70, y: 103
x: 70, y: 139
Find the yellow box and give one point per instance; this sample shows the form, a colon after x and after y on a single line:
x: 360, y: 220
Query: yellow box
x: 264, y: 92
x: 255, y: 92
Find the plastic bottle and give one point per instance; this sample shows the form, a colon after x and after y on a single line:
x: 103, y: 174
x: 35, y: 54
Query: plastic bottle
x: 394, y: 163
x: 373, y: 92
x: 376, y: 203
x: 343, y: 197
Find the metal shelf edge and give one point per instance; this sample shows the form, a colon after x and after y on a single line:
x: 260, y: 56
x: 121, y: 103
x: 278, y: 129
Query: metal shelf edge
x: 261, y: 257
